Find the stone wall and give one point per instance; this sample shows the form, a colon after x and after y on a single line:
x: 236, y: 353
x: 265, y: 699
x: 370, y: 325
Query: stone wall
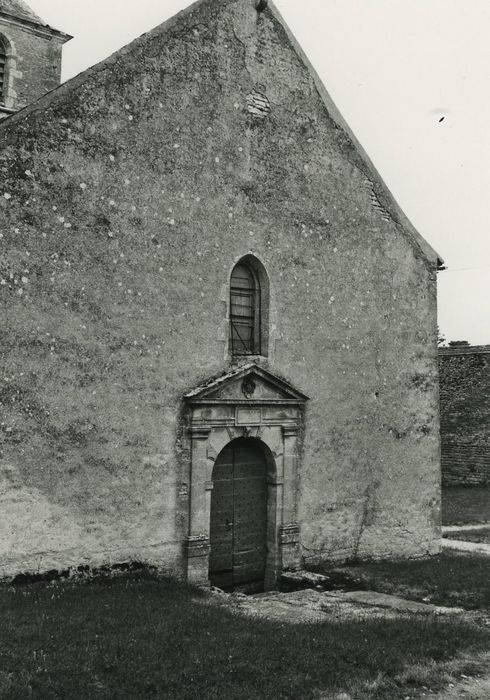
x: 127, y: 197
x: 465, y: 415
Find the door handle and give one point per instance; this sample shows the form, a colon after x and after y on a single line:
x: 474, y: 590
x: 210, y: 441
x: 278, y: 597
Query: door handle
x: 228, y: 524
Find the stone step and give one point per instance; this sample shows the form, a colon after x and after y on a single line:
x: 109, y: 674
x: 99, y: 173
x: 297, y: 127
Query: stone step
x: 391, y: 602
x: 462, y: 546
x: 465, y: 528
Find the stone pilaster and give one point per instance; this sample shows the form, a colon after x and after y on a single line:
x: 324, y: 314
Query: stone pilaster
x: 275, y: 488
x: 289, y: 435
x: 289, y: 546
x: 197, y: 551
x: 197, y: 543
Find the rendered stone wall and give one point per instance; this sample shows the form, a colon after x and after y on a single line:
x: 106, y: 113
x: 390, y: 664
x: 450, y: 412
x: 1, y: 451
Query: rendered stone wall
x: 127, y: 197
x: 34, y: 65
x: 465, y: 415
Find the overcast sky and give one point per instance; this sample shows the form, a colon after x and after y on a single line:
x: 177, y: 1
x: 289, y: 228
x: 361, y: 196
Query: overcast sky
x: 394, y: 68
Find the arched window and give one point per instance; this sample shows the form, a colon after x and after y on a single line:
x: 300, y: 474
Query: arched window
x: 249, y: 308
x: 244, y: 311
x: 3, y: 69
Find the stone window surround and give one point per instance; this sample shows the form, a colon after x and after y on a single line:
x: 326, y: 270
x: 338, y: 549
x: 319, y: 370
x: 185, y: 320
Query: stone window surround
x: 254, y: 317
x: 267, y: 338
x: 7, y: 96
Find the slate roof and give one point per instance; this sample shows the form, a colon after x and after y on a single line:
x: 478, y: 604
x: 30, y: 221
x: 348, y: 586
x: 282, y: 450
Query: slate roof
x: 18, y: 8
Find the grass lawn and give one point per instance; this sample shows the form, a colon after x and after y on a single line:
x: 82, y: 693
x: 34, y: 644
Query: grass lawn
x: 465, y: 505
x: 137, y: 636
x: 450, y: 579
x: 480, y: 536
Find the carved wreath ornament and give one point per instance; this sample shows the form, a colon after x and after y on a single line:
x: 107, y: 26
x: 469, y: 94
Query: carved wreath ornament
x: 248, y: 387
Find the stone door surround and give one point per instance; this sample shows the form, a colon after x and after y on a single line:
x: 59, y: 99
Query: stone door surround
x: 247, y: 402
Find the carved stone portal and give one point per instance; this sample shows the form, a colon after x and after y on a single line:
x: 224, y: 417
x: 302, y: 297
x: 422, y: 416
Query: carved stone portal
x: 253, y: 403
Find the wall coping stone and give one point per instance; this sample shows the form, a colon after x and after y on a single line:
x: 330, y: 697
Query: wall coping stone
x: 465, y: 350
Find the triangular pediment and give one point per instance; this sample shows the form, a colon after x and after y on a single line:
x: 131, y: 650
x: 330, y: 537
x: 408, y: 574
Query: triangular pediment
x: 247, y: 383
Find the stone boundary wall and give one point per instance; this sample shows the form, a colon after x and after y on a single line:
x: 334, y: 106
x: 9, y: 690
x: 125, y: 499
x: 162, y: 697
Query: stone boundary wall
x: 465, y: 415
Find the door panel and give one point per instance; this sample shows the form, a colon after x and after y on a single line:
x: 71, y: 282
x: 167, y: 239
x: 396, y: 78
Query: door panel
x: 238, y: 515
x: 221, y: 531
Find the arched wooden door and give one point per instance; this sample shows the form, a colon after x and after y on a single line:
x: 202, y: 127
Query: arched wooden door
x: 239, y: 516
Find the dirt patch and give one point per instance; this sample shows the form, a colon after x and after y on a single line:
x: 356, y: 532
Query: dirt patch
x: 310, y: 605
x: 469, y: 688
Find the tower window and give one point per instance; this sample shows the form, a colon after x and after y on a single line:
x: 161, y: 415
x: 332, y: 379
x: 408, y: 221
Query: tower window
x: 245, y: 311
x: 3, y: 69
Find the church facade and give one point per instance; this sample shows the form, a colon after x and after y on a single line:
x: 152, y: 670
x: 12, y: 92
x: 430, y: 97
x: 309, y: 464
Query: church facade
x: 219, y: 329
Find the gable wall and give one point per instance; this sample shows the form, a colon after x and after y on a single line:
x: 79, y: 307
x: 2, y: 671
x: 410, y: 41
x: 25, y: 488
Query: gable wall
x: 125, y: 203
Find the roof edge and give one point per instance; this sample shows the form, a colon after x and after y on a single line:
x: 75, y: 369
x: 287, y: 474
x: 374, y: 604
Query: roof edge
x: 425, y: 248
x: 36, y: 26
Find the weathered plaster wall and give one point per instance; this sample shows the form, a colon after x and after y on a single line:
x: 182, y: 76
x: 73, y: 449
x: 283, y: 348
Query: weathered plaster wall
x: 126, y: 198
x: 465, y: 415
x: 34, y: 62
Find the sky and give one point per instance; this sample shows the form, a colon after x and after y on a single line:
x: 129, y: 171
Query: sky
x: 395, y: 69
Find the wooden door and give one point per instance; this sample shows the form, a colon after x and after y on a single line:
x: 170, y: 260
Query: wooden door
x: 238, y: 516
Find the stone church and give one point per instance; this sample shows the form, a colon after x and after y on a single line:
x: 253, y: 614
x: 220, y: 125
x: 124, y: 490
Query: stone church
x: 218, y: 333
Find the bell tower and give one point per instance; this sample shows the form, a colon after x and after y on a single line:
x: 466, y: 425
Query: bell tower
x: 30, y: 56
